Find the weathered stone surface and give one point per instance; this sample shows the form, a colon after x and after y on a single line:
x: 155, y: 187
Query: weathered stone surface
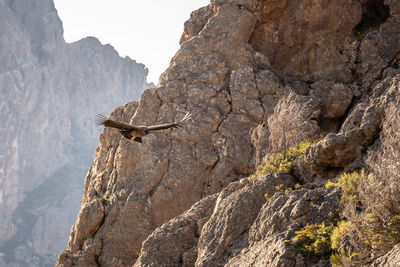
x: 394, y: 7
x: 390, y: 259
x: 251, y: 5
x: 353, y: 120
x: 175, y: 242
x: 339, y: 150
x: 87, y: 257
x: 292, y: 113
x: 269, y: 237
x: 244, y: 229
x: 198, y: 19
x: 260, y: 140
x: 246, y: 98
x: 236, y: 208
x: 335, y: 98
x: 308, y: 40
x: 379, y: 50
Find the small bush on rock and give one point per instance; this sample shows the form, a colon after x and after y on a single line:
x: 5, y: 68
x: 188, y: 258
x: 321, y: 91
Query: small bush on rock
x: 314, y: 240
x: 371, y: 201
x: 282, y: 162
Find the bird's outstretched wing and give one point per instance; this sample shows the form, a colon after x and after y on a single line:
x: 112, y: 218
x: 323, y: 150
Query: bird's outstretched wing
x: 103, y: 120
x: 170, y: 125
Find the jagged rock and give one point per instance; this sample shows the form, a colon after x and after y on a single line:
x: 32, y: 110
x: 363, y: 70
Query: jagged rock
x: 198, y: 19
x: 336, y: 151
x: 211, y: 226
x: 251, y: 5
x: 260, y: 140
x: 196, y: 160
x: 87, y: 256
x: 236, y: 208
x: 175, y: 242
x: 292, y: 113
x: 394, y: 7
x: 244, y: 229
x: 318, y: 111
x: 335, y: 98
x: 269, y: 238
x: 390, y: 259
x: 89, y: 220
x: 379, y: 50
x: 353, y: 120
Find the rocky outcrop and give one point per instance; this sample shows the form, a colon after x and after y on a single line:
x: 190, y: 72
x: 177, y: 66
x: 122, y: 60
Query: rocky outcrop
x: 390, y: 259
x: 50, y: 92
x: 242, y: 228
x: 343, y: 150
x: 258, y: 76
x: 270, y: 237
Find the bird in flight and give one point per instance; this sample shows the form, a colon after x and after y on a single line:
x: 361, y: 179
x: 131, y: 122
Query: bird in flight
x: 135, y: 133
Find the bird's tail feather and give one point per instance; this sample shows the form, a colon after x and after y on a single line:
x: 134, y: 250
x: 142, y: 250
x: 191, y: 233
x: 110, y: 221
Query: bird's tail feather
x: 100, y: 119
x: 188, y: 116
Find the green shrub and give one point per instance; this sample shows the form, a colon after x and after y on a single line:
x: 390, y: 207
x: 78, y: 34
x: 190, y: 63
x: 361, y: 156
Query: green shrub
x: 282, y: 162
x: 380, y: 234
x: 371, y: 201
x: 349, y: 183
x: 314, y: 240
x: 342, y: 229
x: 335, y: 260
x: 330, y: 184
x: 338, y: 251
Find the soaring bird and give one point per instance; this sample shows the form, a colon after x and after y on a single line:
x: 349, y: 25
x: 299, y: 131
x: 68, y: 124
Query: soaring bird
x: 135, y: 133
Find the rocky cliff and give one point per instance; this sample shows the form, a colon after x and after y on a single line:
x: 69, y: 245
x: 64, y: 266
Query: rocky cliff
x: 232, y: 188
x: 50, y: 93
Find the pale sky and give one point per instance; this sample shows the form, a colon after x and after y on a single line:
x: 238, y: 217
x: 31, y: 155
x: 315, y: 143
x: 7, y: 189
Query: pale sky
x: 147, y: 31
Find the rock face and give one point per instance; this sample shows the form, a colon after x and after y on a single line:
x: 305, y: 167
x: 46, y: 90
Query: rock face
x: 50, y: 93
x: 392, y: 258
x: 258, y: 76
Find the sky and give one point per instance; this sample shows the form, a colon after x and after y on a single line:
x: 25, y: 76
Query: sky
x: 147, y: 31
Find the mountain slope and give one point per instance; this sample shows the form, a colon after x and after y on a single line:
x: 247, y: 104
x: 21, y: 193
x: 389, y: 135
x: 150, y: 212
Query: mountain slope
x: 50, y: 92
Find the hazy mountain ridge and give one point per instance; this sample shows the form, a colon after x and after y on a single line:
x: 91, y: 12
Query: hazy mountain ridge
x: 51, y: 92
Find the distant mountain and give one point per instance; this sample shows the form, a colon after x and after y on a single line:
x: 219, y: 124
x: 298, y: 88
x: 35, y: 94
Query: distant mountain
x: 50, y: 93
